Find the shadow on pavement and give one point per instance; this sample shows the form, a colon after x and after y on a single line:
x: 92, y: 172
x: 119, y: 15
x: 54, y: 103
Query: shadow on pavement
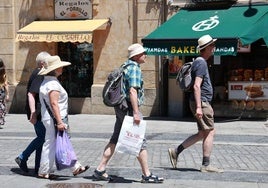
x: 116, y: 179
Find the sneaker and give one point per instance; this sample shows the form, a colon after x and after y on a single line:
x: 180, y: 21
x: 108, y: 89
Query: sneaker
x: 151, y: 179
x: 173, y: 157
x: 210, y: 168
x: 22, y: 164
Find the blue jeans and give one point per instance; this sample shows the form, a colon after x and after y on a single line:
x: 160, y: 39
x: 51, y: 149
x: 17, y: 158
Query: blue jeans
x: 35, y: 145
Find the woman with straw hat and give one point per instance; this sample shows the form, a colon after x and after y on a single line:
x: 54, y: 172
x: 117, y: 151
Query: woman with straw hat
x: 54, y: 102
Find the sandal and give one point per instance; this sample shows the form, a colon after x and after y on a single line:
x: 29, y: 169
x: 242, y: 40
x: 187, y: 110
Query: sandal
x: 80, y: 170
x: 47, y: 176
x: 102, y: 175
x: 151, y: 179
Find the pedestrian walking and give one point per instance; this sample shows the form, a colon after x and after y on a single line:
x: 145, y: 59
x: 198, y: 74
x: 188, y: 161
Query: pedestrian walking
x: 4, y: 93
x: 200, y: 105
x: 133, y: 88
x: 33, y: 111
x: 55, y: 97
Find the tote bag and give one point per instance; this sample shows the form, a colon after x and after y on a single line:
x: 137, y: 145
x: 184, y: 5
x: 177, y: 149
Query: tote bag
x: 65, y: 155
x: 131, y: 137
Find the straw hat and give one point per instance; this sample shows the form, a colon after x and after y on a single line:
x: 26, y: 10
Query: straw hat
x: 205, y: 41
x: 135, y: 49
x: 53, y: 62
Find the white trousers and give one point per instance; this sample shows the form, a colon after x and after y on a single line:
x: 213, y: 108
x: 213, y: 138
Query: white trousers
x: 49, y: 150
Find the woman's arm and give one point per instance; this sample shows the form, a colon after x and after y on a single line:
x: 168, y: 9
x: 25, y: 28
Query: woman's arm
x: 54, y: 98
x: 6, y: 90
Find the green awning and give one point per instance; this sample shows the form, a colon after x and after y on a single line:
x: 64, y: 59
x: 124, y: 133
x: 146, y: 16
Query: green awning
x: 179, y: 35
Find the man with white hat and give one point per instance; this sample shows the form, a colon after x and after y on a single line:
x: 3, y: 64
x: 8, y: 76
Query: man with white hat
x: 200, y: 105
x: 133, y: 87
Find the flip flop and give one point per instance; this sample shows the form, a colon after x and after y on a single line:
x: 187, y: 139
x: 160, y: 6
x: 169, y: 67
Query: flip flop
x: 80, y: 170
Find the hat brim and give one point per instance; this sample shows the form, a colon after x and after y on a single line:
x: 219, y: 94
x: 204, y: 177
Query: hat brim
x: 206, y: 45
x: 45, y: 71
x: 137, y: 53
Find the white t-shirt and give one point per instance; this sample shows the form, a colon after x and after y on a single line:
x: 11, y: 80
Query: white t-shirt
x: 51, y: 83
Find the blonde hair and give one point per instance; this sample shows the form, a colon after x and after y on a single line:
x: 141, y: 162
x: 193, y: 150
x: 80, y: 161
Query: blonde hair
x: 3, y: 78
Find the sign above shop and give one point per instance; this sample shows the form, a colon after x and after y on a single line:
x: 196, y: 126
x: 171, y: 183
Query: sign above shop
x: 60, y: 31
x: 73, y: 9
x: 188, y: 47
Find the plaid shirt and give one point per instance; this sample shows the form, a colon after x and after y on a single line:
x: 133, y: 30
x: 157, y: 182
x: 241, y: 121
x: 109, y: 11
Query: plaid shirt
x: 133, y: 78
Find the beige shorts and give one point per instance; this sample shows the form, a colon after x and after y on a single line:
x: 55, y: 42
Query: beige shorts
x: 207, y: 120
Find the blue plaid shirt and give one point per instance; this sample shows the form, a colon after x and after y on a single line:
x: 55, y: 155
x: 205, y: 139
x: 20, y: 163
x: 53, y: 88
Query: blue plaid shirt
x: 133, y: 78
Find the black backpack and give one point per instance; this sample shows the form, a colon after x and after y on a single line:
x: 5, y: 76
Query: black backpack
x: 113, y: 94
x: 184, y: 77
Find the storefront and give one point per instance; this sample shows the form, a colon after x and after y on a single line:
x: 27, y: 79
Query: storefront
x: 239, y: 68
x: 74, y: 44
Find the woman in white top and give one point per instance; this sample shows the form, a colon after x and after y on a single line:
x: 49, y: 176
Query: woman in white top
x: 56, y: 98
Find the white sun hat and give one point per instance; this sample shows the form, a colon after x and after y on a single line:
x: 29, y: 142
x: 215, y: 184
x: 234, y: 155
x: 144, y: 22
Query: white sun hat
x: 53, y: 62
x: 135, y: 49
x: 205, y: 41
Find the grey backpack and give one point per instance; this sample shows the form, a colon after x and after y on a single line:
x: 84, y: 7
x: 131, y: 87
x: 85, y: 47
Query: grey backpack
x: 113, y: 94
x: 184, y: 77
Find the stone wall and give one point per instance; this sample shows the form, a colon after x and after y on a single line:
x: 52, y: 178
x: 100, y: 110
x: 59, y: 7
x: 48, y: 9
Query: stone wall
x: 131, y: 21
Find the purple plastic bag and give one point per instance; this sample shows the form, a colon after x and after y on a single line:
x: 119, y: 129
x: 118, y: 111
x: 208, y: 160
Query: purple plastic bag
x: 65, y: 156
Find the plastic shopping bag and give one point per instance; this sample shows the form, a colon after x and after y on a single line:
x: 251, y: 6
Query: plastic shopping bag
x: 65, y: 155
x: 131, y: 137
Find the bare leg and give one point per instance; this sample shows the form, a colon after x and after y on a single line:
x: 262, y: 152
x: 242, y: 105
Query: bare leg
x: 107, y: 154
x: 193, y: 139
x: 208, y: 142
x: 143, y: 159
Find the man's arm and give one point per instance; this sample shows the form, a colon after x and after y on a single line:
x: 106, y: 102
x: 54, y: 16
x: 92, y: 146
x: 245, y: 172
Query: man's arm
x: 134, y: 103
x: 31, y: 99
x: 197, y: 96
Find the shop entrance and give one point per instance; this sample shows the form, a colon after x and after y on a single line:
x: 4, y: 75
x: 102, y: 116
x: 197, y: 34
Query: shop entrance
x: 175, y: 100
x: 77, y: 79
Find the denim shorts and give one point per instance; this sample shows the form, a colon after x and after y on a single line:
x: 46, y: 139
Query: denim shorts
x: 207, y: 120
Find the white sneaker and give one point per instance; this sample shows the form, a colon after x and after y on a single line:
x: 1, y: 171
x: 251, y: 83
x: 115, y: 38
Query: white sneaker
x: 173, y: 157
x: 210, y: 168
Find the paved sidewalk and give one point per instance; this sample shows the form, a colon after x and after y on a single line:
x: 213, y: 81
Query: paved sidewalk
x: 241, y: 148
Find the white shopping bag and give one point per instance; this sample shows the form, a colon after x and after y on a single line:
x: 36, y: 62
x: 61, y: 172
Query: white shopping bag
x: 131, y: 137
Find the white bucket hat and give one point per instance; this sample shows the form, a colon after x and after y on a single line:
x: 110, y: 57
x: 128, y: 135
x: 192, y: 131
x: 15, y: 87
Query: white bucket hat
x: 205, y: 41
x: 135, y: 49
x: 53, y: 62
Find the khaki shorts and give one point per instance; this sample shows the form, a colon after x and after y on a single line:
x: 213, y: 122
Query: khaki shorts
x: 207, y: 120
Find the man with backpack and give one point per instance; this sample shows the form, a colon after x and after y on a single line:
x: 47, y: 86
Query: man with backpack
x: 200, y: 105
x: 134, y: 94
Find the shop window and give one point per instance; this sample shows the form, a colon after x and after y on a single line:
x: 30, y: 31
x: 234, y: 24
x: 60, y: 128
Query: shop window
x: 77, y: 78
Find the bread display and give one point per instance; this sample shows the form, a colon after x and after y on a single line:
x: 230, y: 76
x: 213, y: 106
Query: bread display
x: 250, y: 105
x: 265, y: 105
x: 266, y: 73
x: 248, y: 75
x: 258, y: 75
x: 254, y: 91
x: 258, y: 105
x: 235, y: 104
x: 242, y: 105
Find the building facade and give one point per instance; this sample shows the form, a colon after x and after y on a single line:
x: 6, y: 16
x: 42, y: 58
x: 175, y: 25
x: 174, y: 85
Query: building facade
x: 129, y: 21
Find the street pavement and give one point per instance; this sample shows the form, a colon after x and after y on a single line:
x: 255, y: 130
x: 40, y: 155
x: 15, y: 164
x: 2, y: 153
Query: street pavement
x: 240, y: 148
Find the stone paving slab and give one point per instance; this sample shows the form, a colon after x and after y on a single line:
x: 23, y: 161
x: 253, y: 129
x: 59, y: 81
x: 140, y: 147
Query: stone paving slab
x: 241, y: 148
